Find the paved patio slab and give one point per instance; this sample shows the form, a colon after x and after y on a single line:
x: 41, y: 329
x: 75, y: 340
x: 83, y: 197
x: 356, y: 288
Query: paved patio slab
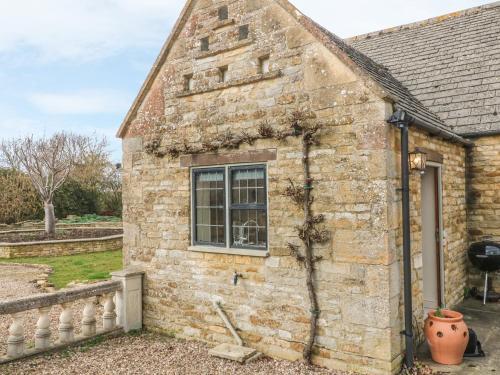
x: 485, y: 320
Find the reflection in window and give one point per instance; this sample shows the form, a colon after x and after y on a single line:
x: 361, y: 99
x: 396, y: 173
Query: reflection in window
x: 209, y: 207
x: 230, y: 207
x: 248, y: 207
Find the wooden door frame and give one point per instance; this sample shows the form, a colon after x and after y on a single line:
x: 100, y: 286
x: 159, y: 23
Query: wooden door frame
x: 438, y: 189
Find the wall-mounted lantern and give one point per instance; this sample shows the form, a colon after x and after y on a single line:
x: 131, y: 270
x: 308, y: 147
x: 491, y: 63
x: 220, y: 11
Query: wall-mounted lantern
x: 418, y: 161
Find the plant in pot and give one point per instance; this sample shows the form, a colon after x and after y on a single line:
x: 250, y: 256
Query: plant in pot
x: 447, y: 336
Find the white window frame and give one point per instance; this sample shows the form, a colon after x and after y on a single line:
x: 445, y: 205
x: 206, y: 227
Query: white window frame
x: 227, y: 249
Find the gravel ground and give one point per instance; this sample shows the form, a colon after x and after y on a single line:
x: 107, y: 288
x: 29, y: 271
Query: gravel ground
x: 151, y: 354
x: 143, y: 354
x: 15, y: 281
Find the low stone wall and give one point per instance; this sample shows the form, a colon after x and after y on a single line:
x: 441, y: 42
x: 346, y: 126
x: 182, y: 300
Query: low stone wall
x: 29, y: 225
x: 60, y: 248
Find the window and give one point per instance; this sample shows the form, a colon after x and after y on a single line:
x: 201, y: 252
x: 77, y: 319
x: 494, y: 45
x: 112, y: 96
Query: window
x: 243, y: 32
x: 204, y: 44
x: 264, y: 64
x: 230, y: 207
x: 188, y: 82
x: 223, y: 13
x: 248, y: 206
x: 209, y: 189
x: 223, y: 73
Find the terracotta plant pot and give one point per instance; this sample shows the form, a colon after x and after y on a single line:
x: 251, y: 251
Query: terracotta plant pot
x: 447, y: 336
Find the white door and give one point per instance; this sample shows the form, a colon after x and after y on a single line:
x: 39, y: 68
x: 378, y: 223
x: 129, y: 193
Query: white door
x: 431, y: 247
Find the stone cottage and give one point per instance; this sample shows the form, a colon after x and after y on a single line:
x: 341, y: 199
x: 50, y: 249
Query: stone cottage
x: 216, y: 225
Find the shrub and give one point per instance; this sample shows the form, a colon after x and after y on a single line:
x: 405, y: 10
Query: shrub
x: 19, y: 200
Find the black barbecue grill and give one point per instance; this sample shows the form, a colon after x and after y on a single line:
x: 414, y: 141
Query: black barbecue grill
x: 485, y: 256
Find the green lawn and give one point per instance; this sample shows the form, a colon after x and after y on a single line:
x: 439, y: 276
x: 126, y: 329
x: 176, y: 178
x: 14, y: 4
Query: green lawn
x: 95, y: 266
x: 90, y: 218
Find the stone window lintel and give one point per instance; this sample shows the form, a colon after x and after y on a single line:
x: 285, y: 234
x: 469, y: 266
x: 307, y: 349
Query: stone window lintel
x: 223, y: 158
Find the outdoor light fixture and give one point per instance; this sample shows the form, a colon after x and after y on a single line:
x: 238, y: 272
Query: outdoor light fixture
x: 418, y: 161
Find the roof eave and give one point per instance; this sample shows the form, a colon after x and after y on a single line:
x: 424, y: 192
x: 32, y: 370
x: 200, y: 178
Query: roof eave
x: 479, y: 134
x: 438, y: 131
x: 153, y: 73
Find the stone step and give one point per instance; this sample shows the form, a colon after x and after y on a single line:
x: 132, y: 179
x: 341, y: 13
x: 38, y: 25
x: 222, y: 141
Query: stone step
x: 233, y: 352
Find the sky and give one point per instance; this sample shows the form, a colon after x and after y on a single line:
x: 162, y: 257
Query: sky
x: 77, y: 65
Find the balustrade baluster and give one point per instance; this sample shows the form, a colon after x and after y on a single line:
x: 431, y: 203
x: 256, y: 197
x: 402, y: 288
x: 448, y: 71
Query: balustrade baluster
x: 88, y: 319
x: 109, y: 316
x: 42, y: 333
x: 15, y: 341
x: 66, y: 329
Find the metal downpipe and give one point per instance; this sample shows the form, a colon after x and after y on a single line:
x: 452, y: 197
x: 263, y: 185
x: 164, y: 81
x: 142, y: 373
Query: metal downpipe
x: 402, y: 121
x: 408, y: 308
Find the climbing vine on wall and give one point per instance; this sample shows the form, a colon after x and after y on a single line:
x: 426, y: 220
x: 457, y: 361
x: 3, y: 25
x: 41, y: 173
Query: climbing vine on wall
x: 311, y: 232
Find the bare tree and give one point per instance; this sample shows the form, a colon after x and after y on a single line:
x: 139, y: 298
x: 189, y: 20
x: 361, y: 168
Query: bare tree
x: 48, y: 161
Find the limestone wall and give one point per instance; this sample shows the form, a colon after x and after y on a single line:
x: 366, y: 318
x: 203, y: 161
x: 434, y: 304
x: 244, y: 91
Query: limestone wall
x: 454, y: 240
x: 60, y: 248
x: 269, y: 306
x: 484, y: 198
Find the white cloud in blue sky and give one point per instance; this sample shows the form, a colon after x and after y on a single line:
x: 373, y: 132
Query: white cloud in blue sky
x: 77, y: 65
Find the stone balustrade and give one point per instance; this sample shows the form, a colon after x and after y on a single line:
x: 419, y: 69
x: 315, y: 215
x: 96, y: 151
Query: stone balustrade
x: 121, y: 298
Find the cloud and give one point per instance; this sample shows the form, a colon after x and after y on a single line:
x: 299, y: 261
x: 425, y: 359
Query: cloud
x: 88, y: 102
x: 84, y: 30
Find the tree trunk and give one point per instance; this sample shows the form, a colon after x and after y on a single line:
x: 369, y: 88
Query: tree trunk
x: 50, y: 218
x: 309, y: 256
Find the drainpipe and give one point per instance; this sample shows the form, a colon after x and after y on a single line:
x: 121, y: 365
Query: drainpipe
x: 402, y: 121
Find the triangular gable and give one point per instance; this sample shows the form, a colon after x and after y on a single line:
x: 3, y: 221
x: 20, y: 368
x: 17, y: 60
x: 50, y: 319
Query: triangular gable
x: 375, y: 76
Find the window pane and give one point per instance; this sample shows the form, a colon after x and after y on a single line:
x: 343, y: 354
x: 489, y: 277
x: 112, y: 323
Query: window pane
x: 209, y: 207
x: 248, y: 186
x: 249, y: 228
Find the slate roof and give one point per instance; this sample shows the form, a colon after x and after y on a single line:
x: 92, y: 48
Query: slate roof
x: 403, y: 98
x: 451, y: 64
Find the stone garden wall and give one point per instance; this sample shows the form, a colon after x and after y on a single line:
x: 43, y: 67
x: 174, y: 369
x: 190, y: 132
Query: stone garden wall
x: 484, y: 198
x: 26, y: 225
x: 359, y: 304
x: 60, y: 248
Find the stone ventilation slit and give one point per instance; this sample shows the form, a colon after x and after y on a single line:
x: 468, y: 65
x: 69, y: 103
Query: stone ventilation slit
x: 204, y: 44
x: 188, y: 82
x: 223, y: 73
x: 243, y: 32
x: 264, y: 64
x: 223, y: 13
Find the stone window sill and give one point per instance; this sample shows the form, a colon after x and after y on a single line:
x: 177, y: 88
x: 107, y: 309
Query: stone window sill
x: 232, y: 83
x: 226, y: 251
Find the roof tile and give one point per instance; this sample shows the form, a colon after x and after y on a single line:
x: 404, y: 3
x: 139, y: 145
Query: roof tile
x: 450, y: 63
